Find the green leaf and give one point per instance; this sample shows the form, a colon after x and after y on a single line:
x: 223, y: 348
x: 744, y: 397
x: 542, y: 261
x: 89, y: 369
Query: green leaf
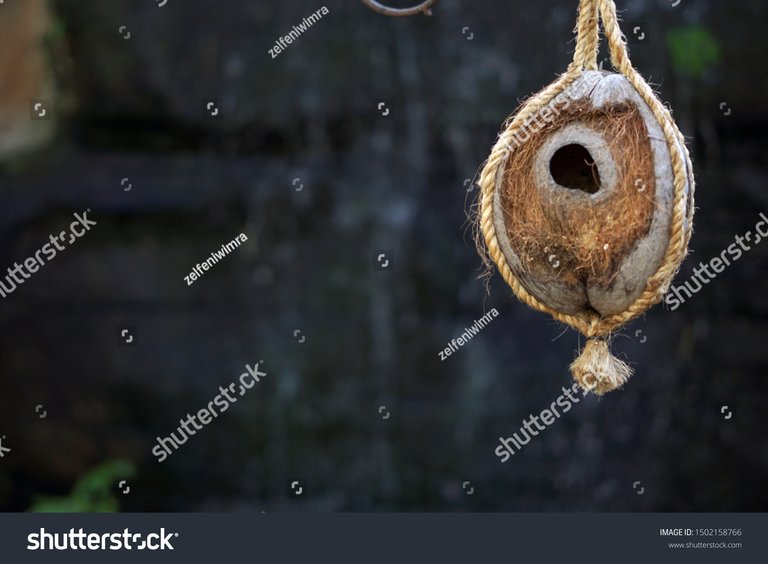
x: 694, y: 50
x: 93, y: 492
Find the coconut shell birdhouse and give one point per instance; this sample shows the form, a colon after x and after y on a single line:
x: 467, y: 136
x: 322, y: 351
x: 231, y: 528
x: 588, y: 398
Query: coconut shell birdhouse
x: 586, y: 202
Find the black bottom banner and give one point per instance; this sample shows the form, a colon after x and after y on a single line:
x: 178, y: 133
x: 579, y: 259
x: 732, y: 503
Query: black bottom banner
x: 385, y: 537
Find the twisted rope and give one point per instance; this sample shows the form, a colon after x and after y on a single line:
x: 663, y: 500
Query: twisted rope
x: 591, y: 324
x: 587, y: 36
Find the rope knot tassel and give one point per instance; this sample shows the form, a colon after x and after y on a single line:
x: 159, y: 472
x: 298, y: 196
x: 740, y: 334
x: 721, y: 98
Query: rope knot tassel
x: 597, y: 370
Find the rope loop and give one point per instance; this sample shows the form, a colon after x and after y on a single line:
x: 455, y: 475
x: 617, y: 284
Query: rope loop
x: 587, y: 36
x: 591, y: 13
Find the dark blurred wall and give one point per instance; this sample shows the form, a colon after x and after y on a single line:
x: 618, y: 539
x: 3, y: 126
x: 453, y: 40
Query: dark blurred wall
x: 301, y: 159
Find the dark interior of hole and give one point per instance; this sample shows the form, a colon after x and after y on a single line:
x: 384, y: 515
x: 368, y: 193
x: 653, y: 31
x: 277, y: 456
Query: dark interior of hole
x: 573, y: 167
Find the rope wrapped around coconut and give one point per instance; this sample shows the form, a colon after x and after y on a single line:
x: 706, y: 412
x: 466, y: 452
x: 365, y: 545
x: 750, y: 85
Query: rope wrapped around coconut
x: 587, y: 198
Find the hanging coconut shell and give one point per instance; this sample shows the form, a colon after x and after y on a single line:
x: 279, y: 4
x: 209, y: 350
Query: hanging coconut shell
x: 586, y: 204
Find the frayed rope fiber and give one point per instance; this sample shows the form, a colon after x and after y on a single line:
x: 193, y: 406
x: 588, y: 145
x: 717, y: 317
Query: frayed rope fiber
x: 597, y: 370
x: 526, y: 214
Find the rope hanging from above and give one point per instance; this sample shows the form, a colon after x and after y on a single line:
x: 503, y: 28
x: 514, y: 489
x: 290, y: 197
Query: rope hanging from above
x: 586, y: 200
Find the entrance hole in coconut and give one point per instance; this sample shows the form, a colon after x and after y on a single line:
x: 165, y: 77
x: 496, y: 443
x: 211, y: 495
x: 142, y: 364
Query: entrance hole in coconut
x: 573, y: 167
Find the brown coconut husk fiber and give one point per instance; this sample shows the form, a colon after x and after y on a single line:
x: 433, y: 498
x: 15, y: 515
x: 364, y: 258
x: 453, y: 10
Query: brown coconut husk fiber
x: 590, y: 240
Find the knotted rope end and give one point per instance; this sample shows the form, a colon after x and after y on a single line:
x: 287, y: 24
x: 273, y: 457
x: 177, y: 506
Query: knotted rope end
x: 597, y: 370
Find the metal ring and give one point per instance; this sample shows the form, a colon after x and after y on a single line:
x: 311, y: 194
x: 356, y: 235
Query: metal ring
x: 423, y: 8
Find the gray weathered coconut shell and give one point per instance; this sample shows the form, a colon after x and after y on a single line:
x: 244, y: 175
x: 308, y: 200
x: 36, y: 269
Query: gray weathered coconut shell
x: 598, y: 89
